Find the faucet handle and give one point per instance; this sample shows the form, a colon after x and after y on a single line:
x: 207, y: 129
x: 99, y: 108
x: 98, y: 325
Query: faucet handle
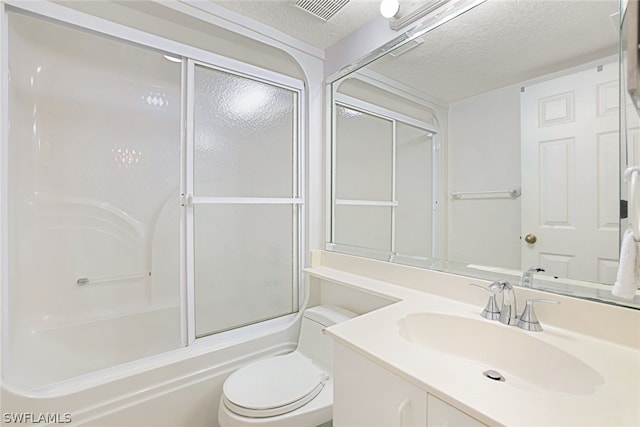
x: 491, y: 310
x: 529, y: 320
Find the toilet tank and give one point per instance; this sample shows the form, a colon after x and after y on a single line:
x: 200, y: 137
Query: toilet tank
x: 313, y: 343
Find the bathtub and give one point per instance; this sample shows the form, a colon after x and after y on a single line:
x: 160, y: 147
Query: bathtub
x: 179, y: 387
x: 46, y: 355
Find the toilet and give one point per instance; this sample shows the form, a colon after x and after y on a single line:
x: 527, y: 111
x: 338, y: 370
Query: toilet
x: 292, y: 390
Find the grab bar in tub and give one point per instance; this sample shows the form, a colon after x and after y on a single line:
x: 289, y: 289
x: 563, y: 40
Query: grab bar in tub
x: 87, y: 281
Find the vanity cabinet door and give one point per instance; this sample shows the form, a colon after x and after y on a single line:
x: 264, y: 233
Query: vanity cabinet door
x: 440, y: 414
x: 367, y: 395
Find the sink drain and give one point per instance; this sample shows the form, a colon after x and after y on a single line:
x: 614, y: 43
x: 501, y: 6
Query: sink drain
x: 493, y: 375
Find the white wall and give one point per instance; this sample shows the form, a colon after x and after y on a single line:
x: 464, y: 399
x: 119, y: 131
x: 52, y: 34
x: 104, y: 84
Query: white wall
x: 484, y: 154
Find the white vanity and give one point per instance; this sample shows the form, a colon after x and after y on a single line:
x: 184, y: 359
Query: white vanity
x: 419, y: 360
x: 367, y: 394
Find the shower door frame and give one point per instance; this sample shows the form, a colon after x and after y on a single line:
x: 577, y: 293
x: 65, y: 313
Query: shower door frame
x: 92, y: 24
x: 394, y: 117
x: 190, y: 200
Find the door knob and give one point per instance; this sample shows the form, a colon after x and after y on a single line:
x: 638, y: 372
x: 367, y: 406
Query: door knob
x: 530, y: 238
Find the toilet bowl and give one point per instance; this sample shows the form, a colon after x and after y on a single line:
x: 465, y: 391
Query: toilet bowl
x: 292, y: 390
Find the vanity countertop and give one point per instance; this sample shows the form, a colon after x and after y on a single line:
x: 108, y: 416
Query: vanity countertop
x: 599, y: 387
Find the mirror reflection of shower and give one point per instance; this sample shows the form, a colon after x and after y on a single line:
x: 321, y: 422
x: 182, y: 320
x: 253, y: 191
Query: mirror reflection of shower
x: 529, y: 132
x: 384, y: 173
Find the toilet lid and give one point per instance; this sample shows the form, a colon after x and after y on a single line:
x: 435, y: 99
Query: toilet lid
x: 273, y: 386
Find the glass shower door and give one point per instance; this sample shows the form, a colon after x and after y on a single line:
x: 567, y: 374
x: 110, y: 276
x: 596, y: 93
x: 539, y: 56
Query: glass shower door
x: 245, y: 215
x: 92, y: 186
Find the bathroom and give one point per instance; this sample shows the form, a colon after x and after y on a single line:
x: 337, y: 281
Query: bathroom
x: 143, y: 264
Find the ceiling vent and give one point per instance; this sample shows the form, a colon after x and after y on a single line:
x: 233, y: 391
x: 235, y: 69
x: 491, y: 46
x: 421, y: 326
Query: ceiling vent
x: 323, y: 9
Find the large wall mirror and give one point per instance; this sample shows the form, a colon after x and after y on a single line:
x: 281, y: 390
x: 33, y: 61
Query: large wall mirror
x: 490, y: 146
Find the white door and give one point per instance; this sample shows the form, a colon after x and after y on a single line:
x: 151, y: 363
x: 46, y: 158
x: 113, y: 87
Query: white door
x: 570, y: 178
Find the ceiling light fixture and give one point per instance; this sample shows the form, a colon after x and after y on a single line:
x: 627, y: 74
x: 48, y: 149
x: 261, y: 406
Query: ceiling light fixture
x: 389, y: 8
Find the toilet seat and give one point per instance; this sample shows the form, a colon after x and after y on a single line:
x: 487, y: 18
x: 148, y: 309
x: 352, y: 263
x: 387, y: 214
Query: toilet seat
x: 273, y: 386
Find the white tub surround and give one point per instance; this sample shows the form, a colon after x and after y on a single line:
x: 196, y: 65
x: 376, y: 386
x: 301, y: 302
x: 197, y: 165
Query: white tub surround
x: 583, y: 369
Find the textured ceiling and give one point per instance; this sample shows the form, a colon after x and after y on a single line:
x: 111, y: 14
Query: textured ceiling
x: 283, y: 15
x: 498, y: 43
x: 503, y: 42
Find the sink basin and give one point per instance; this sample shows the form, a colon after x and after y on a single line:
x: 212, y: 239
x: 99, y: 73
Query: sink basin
x: 518, y: 355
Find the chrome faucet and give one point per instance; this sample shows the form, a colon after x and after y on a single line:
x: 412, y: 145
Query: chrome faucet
x: 527, y: 276
x: 508, y: 312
